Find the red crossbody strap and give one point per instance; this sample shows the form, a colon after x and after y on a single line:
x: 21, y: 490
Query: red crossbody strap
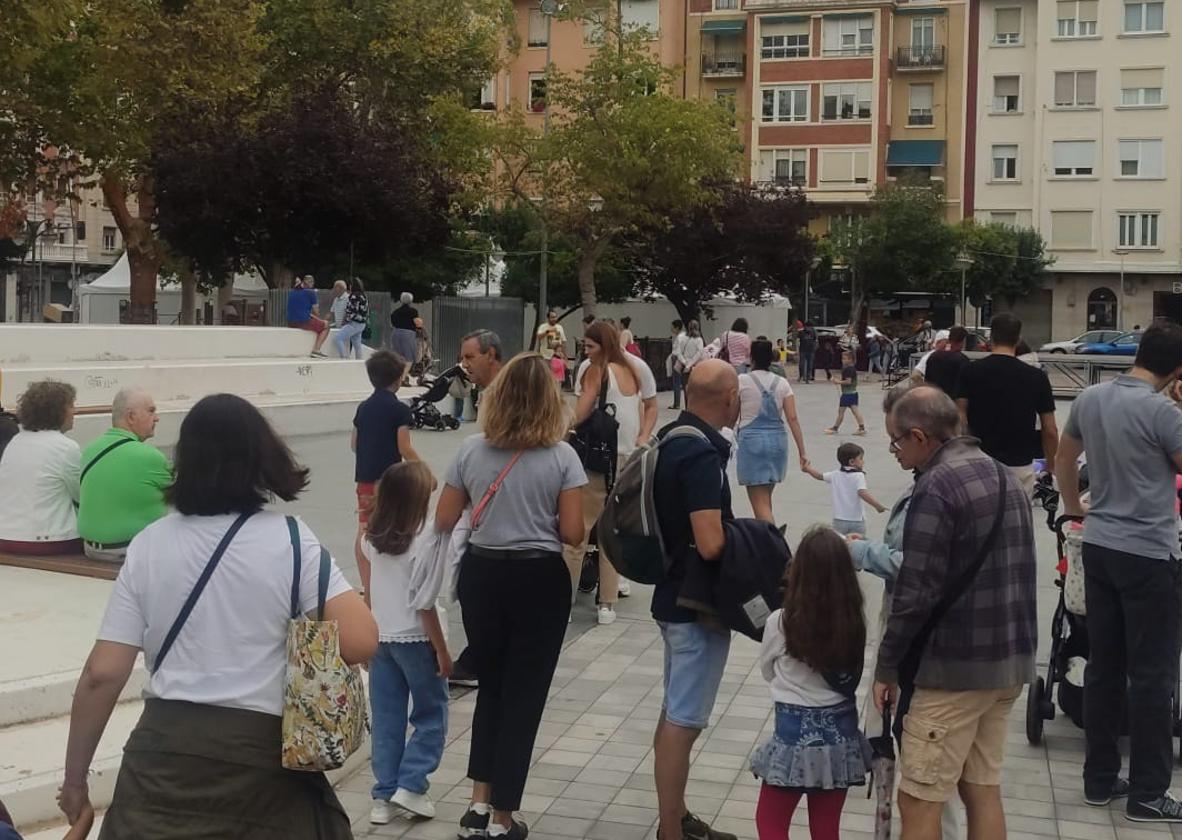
x: 478, y: 511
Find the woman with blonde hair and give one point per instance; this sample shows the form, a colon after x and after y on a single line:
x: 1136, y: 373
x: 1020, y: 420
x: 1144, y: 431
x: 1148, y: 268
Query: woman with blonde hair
x: 524, y: 483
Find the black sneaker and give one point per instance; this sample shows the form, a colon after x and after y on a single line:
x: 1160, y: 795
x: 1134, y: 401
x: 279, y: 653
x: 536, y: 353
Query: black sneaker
x: 693, y: 828
x: 1164, y: 809
x: 473, y: 826
x: 463, y: 677
x: 518, y: 830
x: 1118, y: 790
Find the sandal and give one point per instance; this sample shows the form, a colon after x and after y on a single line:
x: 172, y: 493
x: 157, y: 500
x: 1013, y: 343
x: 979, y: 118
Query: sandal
x: 861, y: 431
x: 832, y: 430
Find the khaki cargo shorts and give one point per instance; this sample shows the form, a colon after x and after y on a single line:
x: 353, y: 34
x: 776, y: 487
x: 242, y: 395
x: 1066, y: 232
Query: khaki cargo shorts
x: 953, y: 736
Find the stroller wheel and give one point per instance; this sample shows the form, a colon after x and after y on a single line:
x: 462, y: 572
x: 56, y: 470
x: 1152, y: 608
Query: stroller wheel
x: 1035, y: 696
x: 453, y: 423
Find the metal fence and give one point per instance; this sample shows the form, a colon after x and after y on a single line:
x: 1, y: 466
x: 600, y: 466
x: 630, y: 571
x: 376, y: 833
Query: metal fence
x: 452, y: 318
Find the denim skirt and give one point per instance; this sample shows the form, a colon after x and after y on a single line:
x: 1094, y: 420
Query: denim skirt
x: 763, y: 454
x: 814, y: 749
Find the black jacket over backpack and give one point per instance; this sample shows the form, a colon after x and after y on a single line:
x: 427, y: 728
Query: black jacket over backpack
x: 746, y: 583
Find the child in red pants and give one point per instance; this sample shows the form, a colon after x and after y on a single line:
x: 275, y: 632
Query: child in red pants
x: 812, y: 658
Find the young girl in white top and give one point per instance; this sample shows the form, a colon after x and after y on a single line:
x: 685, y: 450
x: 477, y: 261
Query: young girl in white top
x: 411, y: 667
x: 812, y: 657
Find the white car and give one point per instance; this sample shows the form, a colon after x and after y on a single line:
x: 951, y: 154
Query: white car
x: 1073, y: 345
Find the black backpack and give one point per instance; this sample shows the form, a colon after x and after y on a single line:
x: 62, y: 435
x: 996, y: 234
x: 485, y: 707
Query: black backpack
x: 8, y: 428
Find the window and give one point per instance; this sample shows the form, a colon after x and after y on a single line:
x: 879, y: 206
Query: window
x: 1009, y: 218
x: 482, y: 98
x: 537, y: 92
x: 109, y: 239
x: 1145, y: 17
x: 1074, y: 158
x: 1005, y: 94
x: 725, y: 5
x: 1007, y: 26
x: 849, y: 35
x: 919, y: 105
x: 1141, y: 159
x: 1138, y: 230
x: 79, y: 231
x: 845, y: 166
x: 1075, y: 89
x: 1102, y: 310
x: 1077, y: 18
x: 537, y: 28
x: 786, y: 104
x: 923, y: 33
x: 592, y: 31
x: 1141, y: 88
x: 1005, y: 163
x: 784, y: 166
x: 641, y: 14
x: 726, y: 96
x: 846, y: 101
x: 785, y: 40
x: 1071, y: 229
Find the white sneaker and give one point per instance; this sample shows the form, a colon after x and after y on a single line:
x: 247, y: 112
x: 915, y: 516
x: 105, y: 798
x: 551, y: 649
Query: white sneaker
x: 418, y: 804
x: 382, y: 812
x: 606, y: 615
x: 625, y: 587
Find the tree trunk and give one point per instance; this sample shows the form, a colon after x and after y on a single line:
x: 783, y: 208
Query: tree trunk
x: 188, y: 296
x: 279, y: 276
x: 589, y: 256
x: 225, y: 295
x: 144, y: 256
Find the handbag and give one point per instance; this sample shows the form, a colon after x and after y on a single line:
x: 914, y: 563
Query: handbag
x: 596, y: 439
x: 325, y: 713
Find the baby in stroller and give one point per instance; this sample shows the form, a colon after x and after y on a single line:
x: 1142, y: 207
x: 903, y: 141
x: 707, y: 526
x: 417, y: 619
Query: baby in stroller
x: 423, y: 412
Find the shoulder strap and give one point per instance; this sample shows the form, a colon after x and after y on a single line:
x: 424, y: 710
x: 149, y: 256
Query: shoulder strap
x: 198, y: 587
x: 100, y: 457
x: 682, y: 431
x: 909, y: 667
x: 293, y: 532
x: 322, y: 582
x: 478, y: 511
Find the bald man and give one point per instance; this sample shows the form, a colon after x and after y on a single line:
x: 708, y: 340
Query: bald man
x: 123, y: 479
x: 693, y: 499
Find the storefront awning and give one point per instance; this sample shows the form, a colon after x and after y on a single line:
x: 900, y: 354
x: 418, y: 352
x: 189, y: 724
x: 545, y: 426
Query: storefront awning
x: 723, y: 27
x: 915, y: 153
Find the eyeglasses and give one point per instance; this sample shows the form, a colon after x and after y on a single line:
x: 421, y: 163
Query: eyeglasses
x: 895, y: 446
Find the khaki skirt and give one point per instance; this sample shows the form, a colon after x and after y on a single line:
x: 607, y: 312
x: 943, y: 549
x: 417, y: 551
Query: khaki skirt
x: 203, y: 772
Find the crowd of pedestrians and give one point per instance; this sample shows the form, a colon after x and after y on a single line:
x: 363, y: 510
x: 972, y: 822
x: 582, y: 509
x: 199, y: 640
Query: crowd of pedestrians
x: 515, y: 510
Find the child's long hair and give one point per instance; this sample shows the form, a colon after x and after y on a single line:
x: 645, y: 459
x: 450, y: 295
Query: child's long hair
x: 400, y: 507
x: 824, y: 626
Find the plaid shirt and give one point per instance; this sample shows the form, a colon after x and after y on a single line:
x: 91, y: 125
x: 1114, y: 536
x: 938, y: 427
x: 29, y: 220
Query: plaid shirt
x: 988, y: 638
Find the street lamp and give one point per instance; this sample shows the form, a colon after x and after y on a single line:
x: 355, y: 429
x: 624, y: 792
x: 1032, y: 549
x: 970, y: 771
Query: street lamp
x: 964, y: 262
x: 808, y: 282
x: 549, y: 9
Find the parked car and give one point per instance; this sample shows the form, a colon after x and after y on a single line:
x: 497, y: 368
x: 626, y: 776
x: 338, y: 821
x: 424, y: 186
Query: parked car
x: 871, y: 330
x: 1125, y: 344
x: 1073, y: 345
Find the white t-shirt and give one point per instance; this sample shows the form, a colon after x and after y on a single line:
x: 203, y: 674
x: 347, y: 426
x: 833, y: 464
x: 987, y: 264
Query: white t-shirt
x: 644, y: 375
x: 790, y: 680
x: 389, y: 585
x: 844, y: 486
x: 550, y: 338
x: 39, y: 474
x: 922, y: 366
x: 750, y: 399
x: 232, y: 650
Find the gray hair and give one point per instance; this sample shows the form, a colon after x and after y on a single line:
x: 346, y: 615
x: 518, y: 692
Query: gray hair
x: 340, y: 284
x: 486, y: 340
x: 125, y: 401
x: 928, y: 409
x: 406, y: 297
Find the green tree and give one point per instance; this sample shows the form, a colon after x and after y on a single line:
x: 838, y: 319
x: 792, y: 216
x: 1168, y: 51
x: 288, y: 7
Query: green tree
x: 1029, y: 267
x: 993, y: 250
x: 903, y: 244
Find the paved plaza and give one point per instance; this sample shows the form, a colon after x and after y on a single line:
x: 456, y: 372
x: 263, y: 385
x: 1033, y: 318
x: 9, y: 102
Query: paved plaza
x: 593, y: 772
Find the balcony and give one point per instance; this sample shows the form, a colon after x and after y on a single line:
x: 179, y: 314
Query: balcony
x: 724, y: 65
x: 924, y: 57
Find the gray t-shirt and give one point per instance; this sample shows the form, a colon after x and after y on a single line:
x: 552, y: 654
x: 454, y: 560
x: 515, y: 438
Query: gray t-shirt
x: 1130, y: 434
x: 523, y: 515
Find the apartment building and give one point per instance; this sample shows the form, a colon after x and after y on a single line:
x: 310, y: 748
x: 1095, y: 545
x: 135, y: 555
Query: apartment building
x: 838, y: 96
x: 1076, y: 133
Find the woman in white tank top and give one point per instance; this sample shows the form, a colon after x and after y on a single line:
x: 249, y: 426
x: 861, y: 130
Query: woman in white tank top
x: 608, y: 360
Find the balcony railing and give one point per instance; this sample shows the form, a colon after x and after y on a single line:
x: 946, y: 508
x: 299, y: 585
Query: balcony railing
x: 927, y: 57
x: 921, y: 118
x: 724, y: 65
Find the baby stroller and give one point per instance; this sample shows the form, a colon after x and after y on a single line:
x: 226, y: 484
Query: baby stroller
x: 1069, y: 633
x: 423, y: 413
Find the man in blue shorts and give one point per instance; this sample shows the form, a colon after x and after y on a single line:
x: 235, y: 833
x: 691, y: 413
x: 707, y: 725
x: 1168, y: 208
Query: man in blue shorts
x: 693, y: 498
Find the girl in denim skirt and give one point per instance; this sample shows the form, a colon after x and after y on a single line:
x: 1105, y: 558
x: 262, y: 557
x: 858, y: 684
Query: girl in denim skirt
x: 812, y: 658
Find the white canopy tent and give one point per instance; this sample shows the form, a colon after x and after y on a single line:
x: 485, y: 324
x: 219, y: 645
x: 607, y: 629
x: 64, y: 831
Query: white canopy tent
x: 98, y: 301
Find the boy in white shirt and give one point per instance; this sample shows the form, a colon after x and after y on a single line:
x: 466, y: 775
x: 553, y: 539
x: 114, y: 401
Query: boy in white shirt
x: 848, y: 488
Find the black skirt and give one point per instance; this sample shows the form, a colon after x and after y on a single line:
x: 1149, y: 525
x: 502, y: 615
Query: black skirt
x: 202, y: 772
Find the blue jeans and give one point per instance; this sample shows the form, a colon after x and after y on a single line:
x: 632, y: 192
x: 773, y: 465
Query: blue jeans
x: 677, y: 377
x: 805, y: 364
x: 695, y: 658
x: 398, y: 673
x: 458, y: 408
x: 348, y: 340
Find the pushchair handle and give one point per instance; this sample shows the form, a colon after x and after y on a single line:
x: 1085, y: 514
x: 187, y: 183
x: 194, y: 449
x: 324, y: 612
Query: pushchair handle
x: 1065, y: 518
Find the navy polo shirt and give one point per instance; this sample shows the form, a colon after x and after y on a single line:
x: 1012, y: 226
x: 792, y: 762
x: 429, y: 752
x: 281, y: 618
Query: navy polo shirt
x: 690, y: 477
x: 377, y: 422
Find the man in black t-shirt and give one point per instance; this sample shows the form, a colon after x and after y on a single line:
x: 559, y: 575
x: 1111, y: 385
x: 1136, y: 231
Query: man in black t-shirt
x: 692, y: 496
x: 1001, y: 398
x: 943, y: 367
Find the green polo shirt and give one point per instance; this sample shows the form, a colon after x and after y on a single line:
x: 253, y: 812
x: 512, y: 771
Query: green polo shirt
x: 124, y: 492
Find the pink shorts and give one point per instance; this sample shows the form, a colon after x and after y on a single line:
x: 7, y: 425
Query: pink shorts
x: 316, y: 325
